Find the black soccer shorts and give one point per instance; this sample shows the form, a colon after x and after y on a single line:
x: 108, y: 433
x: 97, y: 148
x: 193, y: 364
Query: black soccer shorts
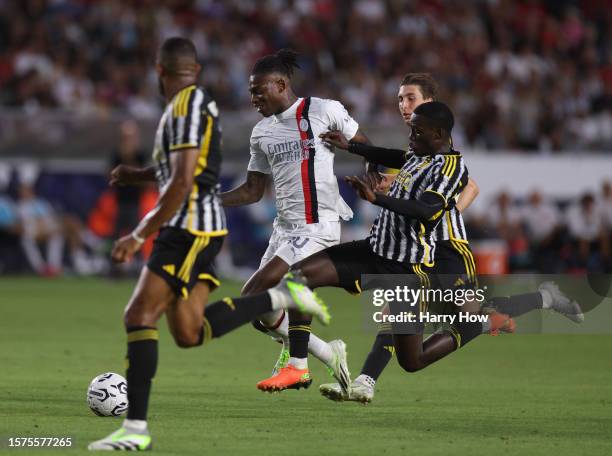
x: 454, y: 269
x: 182, y: 259
x: 352, y: 259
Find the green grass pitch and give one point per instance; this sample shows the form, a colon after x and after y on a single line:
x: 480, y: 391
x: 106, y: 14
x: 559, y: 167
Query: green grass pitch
x: 518, y: 394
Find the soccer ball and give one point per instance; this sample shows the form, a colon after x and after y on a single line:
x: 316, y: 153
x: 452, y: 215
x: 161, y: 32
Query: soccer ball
x: 107, y: 395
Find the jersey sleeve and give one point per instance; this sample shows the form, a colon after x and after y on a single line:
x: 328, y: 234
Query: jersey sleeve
x: 259, y: 161
x: 447, y: 177
x: 189, y: 119
x: 339, y: 119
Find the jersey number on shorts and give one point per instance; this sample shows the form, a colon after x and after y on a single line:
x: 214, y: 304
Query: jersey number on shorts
x: 299, y: 242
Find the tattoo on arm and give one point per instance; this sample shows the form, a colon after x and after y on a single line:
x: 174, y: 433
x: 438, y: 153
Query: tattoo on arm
x: 249, y: 192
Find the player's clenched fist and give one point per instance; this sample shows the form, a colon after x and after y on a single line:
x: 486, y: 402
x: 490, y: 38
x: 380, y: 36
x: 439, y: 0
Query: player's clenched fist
x: 125, y: 248
x: 361, y: 187
x: 336, y: 139
x: 124, y: 175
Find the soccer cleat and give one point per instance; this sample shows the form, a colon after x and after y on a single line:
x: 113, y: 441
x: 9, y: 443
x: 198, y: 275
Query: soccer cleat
x: 338, y: 366
x: 123, y: 439
x: 358, y: 392
x: 561, y: 303
x: 288, y: 377
x: 282, y: 360
x: 501, y: 322
x: 302, y: 297
x: 334, y: 392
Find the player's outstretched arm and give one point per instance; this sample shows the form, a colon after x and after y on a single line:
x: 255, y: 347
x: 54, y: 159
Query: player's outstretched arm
x: 427, y: 207
x: 391, y: 158
x: 131, y: 175
x: 249, y: 192
x: 183, y: 165
x: 467, y: 196
x: 360, y: 138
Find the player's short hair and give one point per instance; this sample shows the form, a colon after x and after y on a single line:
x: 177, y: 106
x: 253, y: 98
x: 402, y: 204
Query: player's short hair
x: 283, y: 61
x: 426, y: 83
x: 176, y: 53
x: 438, y: 113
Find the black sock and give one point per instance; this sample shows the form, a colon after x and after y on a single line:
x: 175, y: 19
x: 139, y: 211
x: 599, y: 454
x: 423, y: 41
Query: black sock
x: 379, y: 356
x: 299, y: 336
x: 228, y: 314
x: 259, y: 326
x: 517, y: 304
x: 142, y: 364
x: 464, y: 331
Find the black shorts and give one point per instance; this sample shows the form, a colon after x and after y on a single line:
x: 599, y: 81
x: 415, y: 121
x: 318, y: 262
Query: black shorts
x: 454, y: 268
x: 352, y: 259
x: 182, y: 259
x: 454, y: 262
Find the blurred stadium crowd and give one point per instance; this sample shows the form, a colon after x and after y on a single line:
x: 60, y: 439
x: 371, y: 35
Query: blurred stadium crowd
x: 531, y: 75
x: 524, y: 74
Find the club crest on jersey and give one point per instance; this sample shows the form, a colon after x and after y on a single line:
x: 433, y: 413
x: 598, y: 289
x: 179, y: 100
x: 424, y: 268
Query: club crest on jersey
x: 403, y: 179
x: 303, y: 125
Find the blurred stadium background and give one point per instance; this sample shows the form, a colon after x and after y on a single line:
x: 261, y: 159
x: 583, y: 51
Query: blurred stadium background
x: 530, y: 82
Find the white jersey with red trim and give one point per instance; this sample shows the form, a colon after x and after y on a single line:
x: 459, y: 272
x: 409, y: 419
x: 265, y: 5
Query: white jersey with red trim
x: 288, y: 147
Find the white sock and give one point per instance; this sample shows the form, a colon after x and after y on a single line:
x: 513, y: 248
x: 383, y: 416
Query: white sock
x: 279, y: 300
x: 547, y: 299
x: 135, y: 425
x: 320, y: 350
x: 316, y: 346
x: 271, y: 319
x: 366, y: 380
x: 299, y: 363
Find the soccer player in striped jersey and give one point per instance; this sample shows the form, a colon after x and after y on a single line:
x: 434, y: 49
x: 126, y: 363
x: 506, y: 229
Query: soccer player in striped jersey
x: 285, y: 146
x: 453, y: 255
x: 453, y: 259
x: 402, y: 239
x: 179, y: 275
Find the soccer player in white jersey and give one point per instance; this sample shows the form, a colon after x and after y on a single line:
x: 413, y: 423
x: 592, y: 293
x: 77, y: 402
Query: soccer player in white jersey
x: 285, y: 146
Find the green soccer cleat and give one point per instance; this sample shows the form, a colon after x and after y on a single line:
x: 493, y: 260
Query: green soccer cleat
x: 123, y: 439
x: 282, y: 361
x: 302, y: 297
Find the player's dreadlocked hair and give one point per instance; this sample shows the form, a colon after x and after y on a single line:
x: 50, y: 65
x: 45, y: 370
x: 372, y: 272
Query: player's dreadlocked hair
x: 283, y: 62
x: 438, y: 113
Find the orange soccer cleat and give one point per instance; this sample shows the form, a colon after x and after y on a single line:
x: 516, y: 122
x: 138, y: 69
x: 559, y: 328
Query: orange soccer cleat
x: 501, y: 322
x: 287, y: 378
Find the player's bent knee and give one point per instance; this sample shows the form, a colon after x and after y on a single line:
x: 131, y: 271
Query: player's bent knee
x: 409, y: 365
x: 186, y: 339
x: 141, y: 312
x: 135, y: 315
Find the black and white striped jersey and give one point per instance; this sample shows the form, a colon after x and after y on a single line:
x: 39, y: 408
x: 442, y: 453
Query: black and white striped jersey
x: 451, y: 226
x: 404, y: 239
x: 191, y: 120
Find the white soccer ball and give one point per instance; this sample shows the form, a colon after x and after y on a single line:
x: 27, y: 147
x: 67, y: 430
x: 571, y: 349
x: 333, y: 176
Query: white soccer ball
x: 107, y: 395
